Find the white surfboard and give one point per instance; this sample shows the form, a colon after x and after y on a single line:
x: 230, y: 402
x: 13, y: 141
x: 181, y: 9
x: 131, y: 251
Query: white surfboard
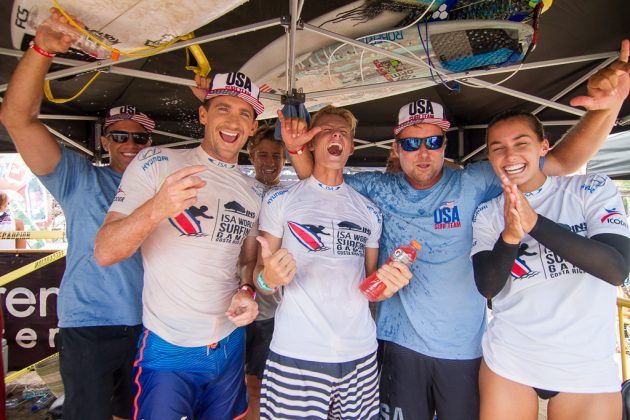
x: 127, y: 25
x: 274, y: 54
x: 339, y: 66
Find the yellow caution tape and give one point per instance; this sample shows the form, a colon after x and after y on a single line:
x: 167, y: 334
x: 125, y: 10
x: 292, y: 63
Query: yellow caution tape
x: 33, y: 234
x: 27, y: 369
x: 29, y: 268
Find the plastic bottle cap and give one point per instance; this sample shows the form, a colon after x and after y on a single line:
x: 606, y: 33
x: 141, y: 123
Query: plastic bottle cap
x: 416, y: 244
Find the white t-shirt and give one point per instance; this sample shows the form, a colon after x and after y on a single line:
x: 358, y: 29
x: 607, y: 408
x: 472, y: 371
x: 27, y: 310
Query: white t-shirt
x: 7, y: 224
x: 553, y: 325
x: 190, y: 261
x: 323, y: 316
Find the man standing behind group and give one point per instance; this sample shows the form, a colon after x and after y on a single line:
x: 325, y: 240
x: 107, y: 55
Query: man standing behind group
x: 320, y: 237
x: 191, y: 211
x: 99, y: 309
x: 431, y: 330
x: 268, y: 158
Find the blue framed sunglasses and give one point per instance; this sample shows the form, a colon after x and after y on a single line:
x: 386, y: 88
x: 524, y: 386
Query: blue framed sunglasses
x: 123, y: 137
x: 411, y: 144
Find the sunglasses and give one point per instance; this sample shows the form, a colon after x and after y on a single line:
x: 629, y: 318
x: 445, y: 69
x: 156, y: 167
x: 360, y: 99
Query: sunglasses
x: 411, y: 144
x: 123, y: 136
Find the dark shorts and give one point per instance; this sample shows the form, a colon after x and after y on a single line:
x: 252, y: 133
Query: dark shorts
x: 415, y: 386
x: 258, y: 335
x: 545, y: 394
x: 96, y: 365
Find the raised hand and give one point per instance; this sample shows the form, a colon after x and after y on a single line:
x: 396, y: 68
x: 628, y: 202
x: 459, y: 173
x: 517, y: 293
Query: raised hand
x: 295, y: 133
x: 609, y: 87
x: 178, y: 192
x: 395, y: 276
x: 279, y: 267
x: 203, y: 84
x: 56, y: 34
x: 243, y: 309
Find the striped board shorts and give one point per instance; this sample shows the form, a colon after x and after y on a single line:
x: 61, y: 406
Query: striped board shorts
x: 299, y: 389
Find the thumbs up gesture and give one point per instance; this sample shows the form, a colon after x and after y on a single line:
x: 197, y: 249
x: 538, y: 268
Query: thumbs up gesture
x: 279, y: 267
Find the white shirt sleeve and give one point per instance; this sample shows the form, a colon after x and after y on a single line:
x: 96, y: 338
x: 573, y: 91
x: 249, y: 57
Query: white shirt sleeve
x: 272, y: 212
x: 377, y: 226
x: 603, y: 207
x: 485, y: 226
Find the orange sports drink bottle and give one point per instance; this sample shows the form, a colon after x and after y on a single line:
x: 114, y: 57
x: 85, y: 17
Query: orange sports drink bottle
x: 372, y: 287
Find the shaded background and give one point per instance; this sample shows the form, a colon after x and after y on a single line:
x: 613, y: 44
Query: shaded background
x: 569, y: 28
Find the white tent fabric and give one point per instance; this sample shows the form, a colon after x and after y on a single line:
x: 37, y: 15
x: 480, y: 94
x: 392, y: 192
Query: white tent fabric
x: 614, y: 158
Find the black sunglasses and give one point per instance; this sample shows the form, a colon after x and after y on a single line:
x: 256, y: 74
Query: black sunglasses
x: 123, y: 136
x: 411, y: 144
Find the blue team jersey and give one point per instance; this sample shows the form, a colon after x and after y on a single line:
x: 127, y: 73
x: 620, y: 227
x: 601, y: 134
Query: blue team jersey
x: 91, y: 295
x: 440, y: 313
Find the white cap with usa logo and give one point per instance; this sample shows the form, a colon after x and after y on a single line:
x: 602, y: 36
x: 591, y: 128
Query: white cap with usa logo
x: 421, y: 111
x: 128, y: 112
x: 236, y: 84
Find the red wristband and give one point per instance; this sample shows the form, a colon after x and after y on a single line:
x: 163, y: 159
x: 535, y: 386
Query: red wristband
x: 297, y: 152
x: 38, y: 50
x: 249, y: 289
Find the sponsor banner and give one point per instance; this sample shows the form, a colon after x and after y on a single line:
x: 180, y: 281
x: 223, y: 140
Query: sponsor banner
x: 29, y: 306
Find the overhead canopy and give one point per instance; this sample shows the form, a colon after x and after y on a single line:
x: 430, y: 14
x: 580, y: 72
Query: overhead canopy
x: 575, y: 38
x: 614, y: 158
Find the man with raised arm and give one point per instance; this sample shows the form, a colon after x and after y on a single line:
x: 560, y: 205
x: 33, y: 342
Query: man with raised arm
x: 191, y: 212
x: 99, y: 308
x: 320, y: 238
x: 430, y: 331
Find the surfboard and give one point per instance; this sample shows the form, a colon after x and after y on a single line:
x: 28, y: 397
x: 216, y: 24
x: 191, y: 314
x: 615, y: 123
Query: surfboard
x: 127, y: 25
x: 274, y: 54
x: 446, y: 46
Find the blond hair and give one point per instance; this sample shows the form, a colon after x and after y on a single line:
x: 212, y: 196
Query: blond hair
x: 333, y: 110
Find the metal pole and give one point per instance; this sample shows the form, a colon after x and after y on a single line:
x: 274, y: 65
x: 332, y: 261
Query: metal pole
x: 577, y: 83
x: 292, y: 34
x: 527, y: 97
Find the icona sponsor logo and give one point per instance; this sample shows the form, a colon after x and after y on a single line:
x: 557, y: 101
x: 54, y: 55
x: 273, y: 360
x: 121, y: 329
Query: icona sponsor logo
x: 614, y: 217
x: 120, y: 195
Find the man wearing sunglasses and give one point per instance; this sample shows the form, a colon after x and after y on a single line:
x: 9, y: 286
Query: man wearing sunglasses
x: 99, y: 309
x: 430, y: 331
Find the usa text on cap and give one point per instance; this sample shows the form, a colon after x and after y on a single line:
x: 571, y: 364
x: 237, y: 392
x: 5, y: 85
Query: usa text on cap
x: 421, y: 111
x: 129, y: 112
x: 236, y: 84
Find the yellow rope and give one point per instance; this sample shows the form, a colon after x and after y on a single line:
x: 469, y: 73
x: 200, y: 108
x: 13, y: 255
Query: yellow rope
x: 51, y: 97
